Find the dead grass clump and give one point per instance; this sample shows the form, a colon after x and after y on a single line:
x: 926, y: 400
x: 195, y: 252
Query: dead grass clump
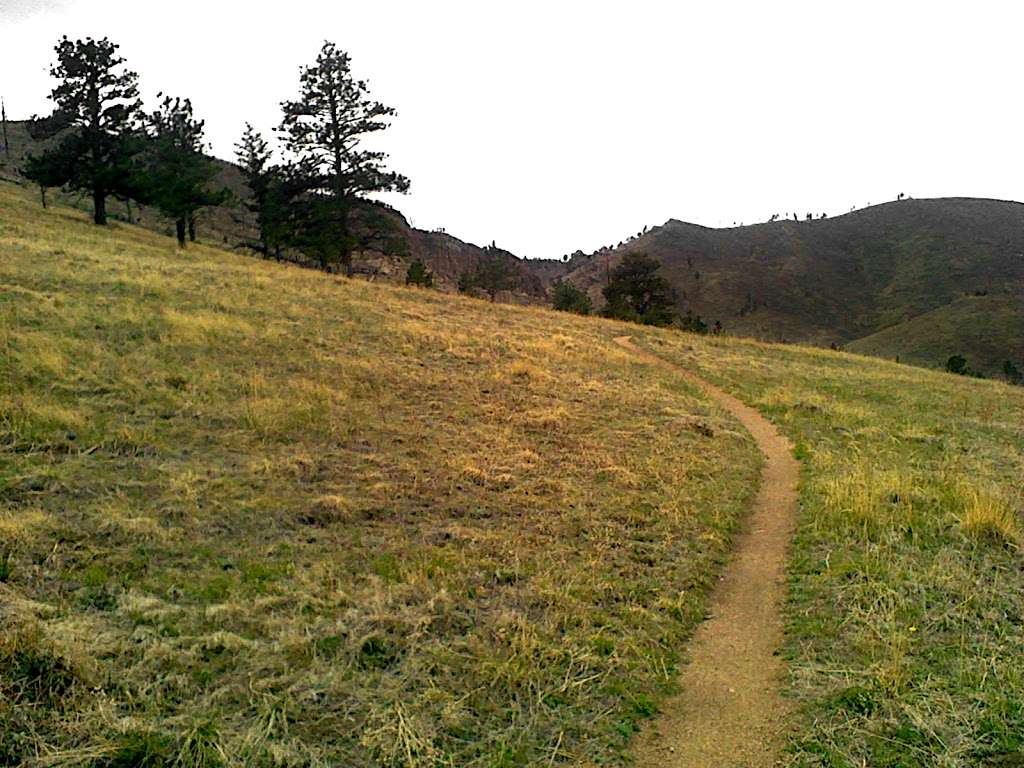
x: 988, y: 516
x: 524, y: 370
x: 326, y: 510
x: 297, y: 407
x: 552, y: 417
x: 872, y: 499
x: 693, y: 424
x: 201, y: 325
x: 399, y: 738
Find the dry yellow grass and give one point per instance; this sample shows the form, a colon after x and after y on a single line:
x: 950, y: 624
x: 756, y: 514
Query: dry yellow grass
x: 255, y: 515
x: 252, y: 515
x: 988, y: 514
x: 904, y: 624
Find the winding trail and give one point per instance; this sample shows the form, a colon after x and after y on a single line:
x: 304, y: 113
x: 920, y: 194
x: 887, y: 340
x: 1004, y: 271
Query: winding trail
x: 730, y: 713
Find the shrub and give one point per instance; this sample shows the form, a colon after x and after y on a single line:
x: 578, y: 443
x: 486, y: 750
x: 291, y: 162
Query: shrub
x: 692, y: 322
x: 569, y: 298
x: 1012, y: 373
x: 957, y: 364
x: 418, y: 274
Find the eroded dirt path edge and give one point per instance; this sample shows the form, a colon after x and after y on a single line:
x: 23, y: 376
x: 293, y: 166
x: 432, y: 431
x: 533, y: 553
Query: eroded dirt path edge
x: 730, y: 712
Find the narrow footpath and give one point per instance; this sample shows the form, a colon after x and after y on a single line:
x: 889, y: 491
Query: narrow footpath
x: 730, y: 713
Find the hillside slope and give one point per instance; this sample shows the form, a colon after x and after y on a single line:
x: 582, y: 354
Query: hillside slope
x: 228, y: 225
x: 904, y: 626
x: 988, y: 330
x: 255, y: 516
x: 841, y: 279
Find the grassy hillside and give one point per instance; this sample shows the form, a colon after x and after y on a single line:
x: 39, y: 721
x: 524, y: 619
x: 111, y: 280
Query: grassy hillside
x: 990, y: 329
x: 840, y: 279
x: 905, y: 625
x: 255, y: 515
x: 227, y: 225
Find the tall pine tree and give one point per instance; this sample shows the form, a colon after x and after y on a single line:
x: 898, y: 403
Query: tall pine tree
x: 178, y: 175
x: 271, y: 190
x: 323, y: 129
x: 97, y: 98
x: 636, y: 292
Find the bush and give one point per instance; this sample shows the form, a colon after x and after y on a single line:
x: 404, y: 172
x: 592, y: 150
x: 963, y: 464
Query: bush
x: 1012, y: 373
x: 569, y: 298
x: 958, y: 364
x: 418, y: 274
x: 692, y: 323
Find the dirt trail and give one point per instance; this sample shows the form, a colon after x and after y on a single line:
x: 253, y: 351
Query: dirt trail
x: 730, y: 713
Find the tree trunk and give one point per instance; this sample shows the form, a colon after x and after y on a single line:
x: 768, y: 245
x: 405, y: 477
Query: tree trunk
x: 179, y: 225
x: 99, y: 207
x: 346, y: 246
x: 3, y: 117
x: 128, y: 208
x: 42, y: 194
x: 192, y: 229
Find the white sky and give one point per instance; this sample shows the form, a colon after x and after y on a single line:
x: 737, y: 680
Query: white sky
x: 551, y: 126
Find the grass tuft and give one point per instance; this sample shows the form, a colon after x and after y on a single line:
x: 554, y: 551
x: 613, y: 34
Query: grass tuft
x: 988, y: 516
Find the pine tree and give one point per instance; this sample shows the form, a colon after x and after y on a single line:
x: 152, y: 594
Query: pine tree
x: 178, y: 174
x: 323, y: 130
x: 47, y: 170
x: 98, y: 99
x: 269, y: 193
x: 636, y: 292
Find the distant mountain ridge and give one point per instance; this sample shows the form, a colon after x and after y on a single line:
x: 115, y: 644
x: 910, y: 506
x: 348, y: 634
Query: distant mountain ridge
x: 890, y: 280
x: 839, y: 280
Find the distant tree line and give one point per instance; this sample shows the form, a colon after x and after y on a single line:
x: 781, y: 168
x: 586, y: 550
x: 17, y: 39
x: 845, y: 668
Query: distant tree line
x: 314, y: 201
x: 958, y: 364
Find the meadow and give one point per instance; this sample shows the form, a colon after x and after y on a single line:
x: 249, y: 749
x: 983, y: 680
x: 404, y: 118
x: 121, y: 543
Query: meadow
x: 905, y: 632
x: 255, y: 515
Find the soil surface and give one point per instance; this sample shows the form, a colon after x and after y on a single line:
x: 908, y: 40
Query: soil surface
x: 730, y: 712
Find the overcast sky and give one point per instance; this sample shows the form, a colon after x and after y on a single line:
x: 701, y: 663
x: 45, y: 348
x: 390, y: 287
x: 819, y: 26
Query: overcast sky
x: 552, y: 126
